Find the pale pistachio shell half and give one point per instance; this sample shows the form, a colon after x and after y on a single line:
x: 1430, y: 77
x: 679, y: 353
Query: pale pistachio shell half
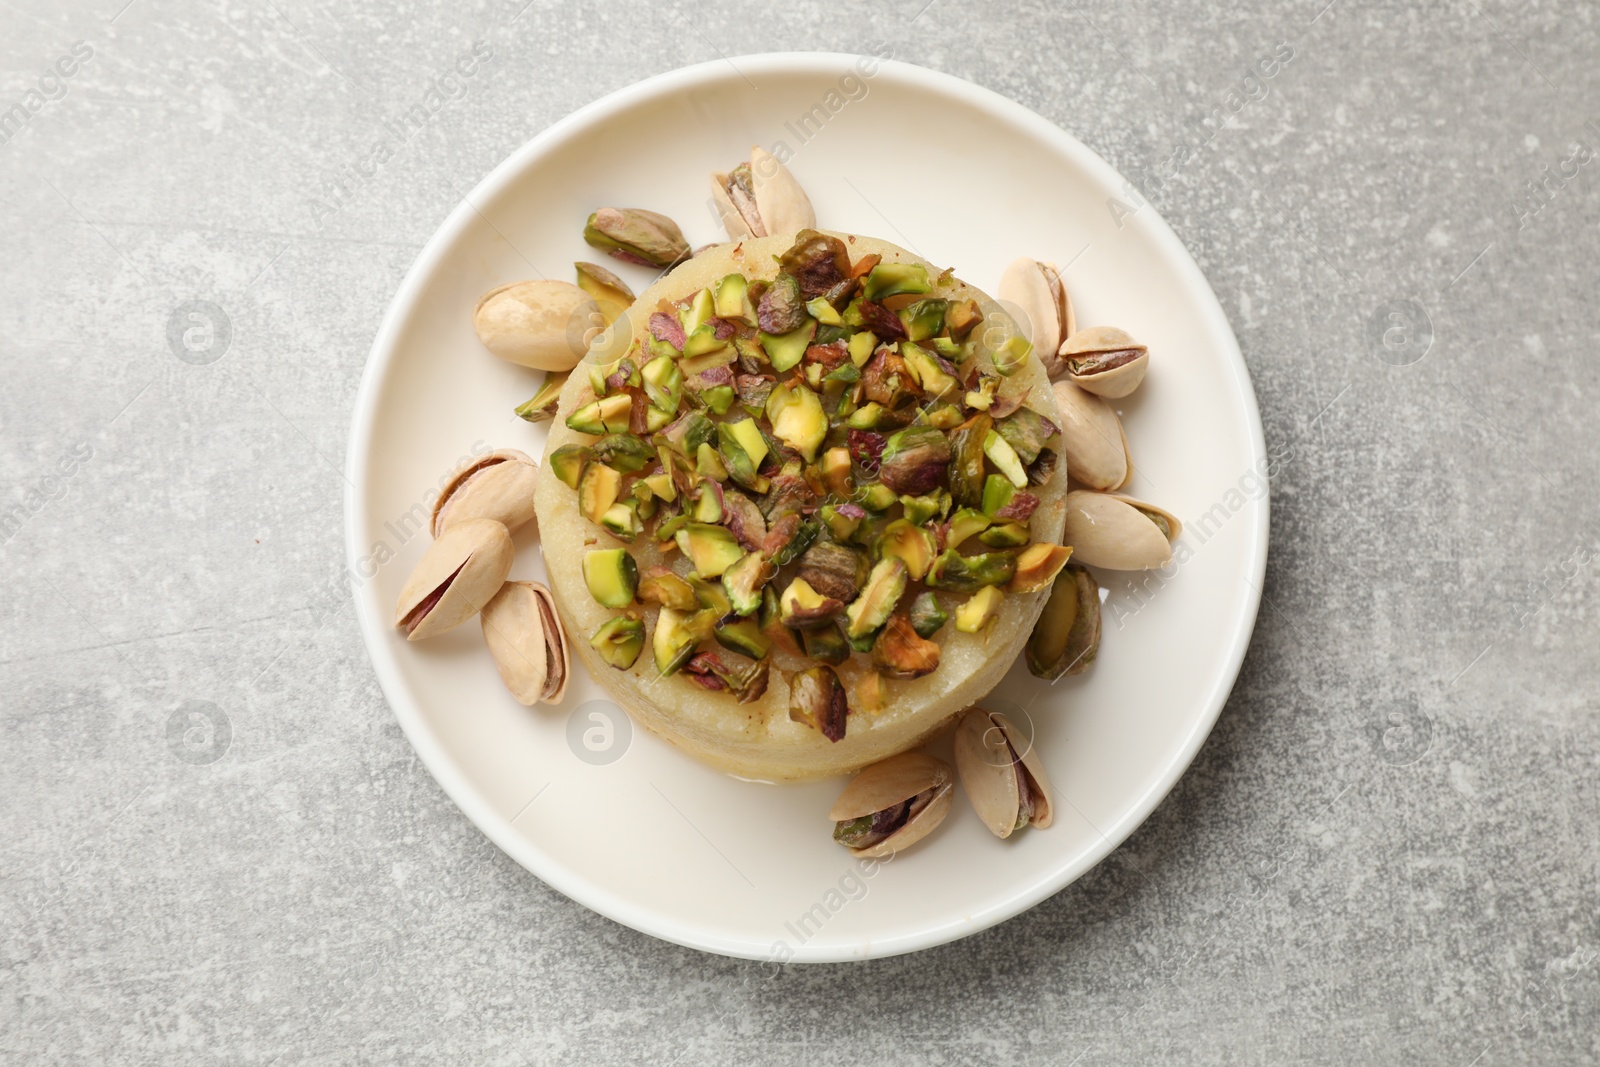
x: 997, y: 763
x: 1112, y: 531
x: 543, y: 324
x: 1095, y: 448
x: 528, y: 642
x: 889, y: 782
x: 455, y: 578
x: 1081, y: 350
x: 784, y: 206
x: 1036, y: 288
x: 497, y: 486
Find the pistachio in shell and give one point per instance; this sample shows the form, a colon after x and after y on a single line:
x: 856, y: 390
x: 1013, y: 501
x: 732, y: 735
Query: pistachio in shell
x: 636, y: 235
x: 528, y: 643
x: 1002, y: 774
x: 1118, y: 532
x: 543, y: 324
x: 496, y: 486
x: 1092, y: 440
x: 760, y: 198
x: 1104, y: 361
x: 1066, y: 638
x: 455, y: 578
x: 892, y: 805
x: 1035, y: 287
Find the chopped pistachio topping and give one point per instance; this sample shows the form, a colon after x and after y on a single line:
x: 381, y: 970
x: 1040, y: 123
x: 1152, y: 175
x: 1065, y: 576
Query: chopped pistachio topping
x: 830, y: 463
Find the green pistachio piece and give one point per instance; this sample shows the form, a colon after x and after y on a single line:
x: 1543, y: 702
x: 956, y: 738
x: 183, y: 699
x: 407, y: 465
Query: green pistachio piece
x: 913, y: 545
x: 840, y: 527
x: 967, y: 463
x: 968, y: 574
x: 786, y: 350
x: 619, y: 641
x: 892, y: 279
x: 732, y: 299
x: 866, y: 417
x: 611, y: 575
x: 711, y: 549
x: 797, y: 419
x: 621, y: 520
x: 979, y: 610
x: 1026, y: 431
x: 826, y: 645
x: 862, y: 345
x: 927, y: 618
x: 744, y: 636
x: 598, y: 488
x: 878, y: 598
x: 609, y: 414
x: 924, y: 368
x: 623, y: 451
x: 663, y: 587
x: 999, y: 450
x: 997, y: 493
x: 964, y: 524
x: 924, y: 318
x: 1005, y: 535
x: 718, y: 399
x: 1011, y: 356
x: 744, y: 580
x: 566, y: 463
x: 663, y: 382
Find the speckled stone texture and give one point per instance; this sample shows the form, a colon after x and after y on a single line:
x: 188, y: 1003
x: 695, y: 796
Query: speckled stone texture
x: 219, y: 848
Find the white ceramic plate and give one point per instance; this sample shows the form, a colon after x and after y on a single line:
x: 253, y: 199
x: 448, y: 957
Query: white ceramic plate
x: 618, y: 820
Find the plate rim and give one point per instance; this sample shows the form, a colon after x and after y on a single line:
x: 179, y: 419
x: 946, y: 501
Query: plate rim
x: 458, y: 785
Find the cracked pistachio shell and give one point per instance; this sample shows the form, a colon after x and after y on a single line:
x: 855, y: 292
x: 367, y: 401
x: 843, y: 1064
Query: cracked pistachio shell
x: 775, y: 203
x: 528, y: 642
x: 1105, y: 361
x: 887, y: 783
x: 989, y: 750
x: 542, y: 324
x: 784, y: 206
x: 1036, y: 288
x: 497, y: 486
x: 1096, y: 450
x: 1118, y: 532
x: 455, y: 578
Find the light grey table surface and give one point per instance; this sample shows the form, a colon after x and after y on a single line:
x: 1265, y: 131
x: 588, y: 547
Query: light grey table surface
x: 1387, y: 851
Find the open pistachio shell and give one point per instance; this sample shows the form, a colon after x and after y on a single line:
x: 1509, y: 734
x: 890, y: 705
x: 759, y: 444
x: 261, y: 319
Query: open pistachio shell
x: 1066, y: 638
x: 890, y: 782
x: 1036, y: 288
x: 1002, y: 773
x: 497, y: 486
x: 455, y: 578
x: 1105, y: 361
x: 528, y: 643
x: 1092, y: 439
x: 784, y: 206
x: 1118, y: 532
x: 543, y: 324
